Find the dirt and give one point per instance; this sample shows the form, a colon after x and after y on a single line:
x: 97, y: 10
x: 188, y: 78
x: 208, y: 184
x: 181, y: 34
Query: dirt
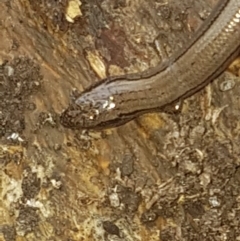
x: 20, y: 78
x: 160, y: 177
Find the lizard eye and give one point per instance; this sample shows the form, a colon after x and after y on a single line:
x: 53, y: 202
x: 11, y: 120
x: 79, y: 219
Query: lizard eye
x: 93, y: 114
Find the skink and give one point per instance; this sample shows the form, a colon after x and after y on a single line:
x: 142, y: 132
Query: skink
x: 117, y: 100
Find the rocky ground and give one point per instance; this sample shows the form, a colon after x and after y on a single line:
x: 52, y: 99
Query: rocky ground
x: 166, y: 177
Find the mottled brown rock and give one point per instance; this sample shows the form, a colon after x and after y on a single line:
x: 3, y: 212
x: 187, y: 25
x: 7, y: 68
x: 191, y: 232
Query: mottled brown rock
x: 160, y: 177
